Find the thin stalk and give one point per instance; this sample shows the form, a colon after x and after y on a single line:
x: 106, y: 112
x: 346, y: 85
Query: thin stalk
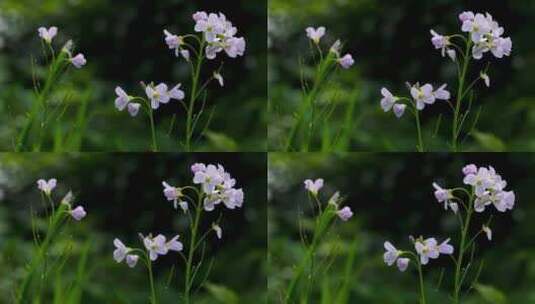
x: 153, y: 299
x: 420, y: 146
x: 188, y: 281
x: 462, y: 247
x: 153, y: 130
x: 455, y: 126
x: 422, y: 290
x: 23, y: 291
x: 194, y: 84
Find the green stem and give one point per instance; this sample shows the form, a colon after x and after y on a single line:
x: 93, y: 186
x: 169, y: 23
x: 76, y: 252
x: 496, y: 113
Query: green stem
x: 153, y: 130
x: 455, y: 126
x: 194, y: 84
x: 153, y: 300
x: 188, y: 281
x: 420, y: 146
x: 421, y: 276
x: 24, y: 289
x: 458, y: 268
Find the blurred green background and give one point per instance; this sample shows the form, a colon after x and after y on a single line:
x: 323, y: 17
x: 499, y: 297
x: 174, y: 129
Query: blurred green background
x: 122, y: 194
x: 124, y: 44
x: 390, y: 42
x: 391, y: 196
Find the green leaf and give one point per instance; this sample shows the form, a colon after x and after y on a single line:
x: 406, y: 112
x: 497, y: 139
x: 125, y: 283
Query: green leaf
x: 222, y: 294
x: 491, y: 294
x: 489, y: 141
x: 221, y: 141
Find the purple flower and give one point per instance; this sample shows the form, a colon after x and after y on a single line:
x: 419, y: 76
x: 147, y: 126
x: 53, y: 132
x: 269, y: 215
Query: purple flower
x: 445, y: 247
x: 422, y: 95
x: 403, y: 263
x: 464, y: 16
x: 441, y: 93
x: 399, y: 109
x: 47, y: 186
x: 174, y: 244
x: 198, y: 167
x: 346, y: 62
x: 120, y: 251
x: 78, y: 213
x: 47, y: 34
x: 131, y: 260
x: 427, y: 249
x: 155, y: 246
x: 469, y: 169
x: 122, y: 99
x: 442, y: 43
x: 345, y: 213
x: 477, y: 27
x: 200, y: 16
x: 313, y: 186
x: 177, y: 93
x: 78, y: 61
x: 315, y: 34
x: 157, y: 95
x: 388, y: 100
x: 234, y: 47
x: 392, y: 255
x: 441, y: 194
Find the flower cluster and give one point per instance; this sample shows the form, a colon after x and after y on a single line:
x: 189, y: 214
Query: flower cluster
x: 77, y: 213
x: 489, y: 188
x: 154, y: 247
x: 78, y: 61
x: 486, y: 35
x: 313, y: 187
x: 159, y: 94
x: 421, y: 96
x: 315, y: 34
x: 217, y: 185
x: 425, y: 249
x: 219, y: 34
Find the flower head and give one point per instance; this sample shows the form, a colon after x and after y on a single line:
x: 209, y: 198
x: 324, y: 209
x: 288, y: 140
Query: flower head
x: 313, y: 186
x: 422, y: 95
x: 155, y: 246
x: 388, y: 100
x: 315, y: 34
x: 427, y: 249
x: 345, y: 213
x: 399, y: 109
x: 131, y: 260
x: 47, y: 34
x: 443, y: 43
x: 174, y: 244
x: 175, y: 42
x: 120, y: 251
x: 47, y: 186
x: 78, y: 213
x: 218, y: 185
x: 78, y: 61
x: 346, y: 61
x: 219, y: 34
x: 403, y: 263
x: 470, y: 169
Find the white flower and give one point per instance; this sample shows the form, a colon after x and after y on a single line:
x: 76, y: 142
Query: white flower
x: 218, y: 230
x: 120, y: 251
x: 174, y: 244
x: 47, y: 186
x: 155, y: 246
x: 392, y: 255
x: 487, y: 231
x: 47, y: 34
x: 218, y: 186
x: 313, y: 186
x: 219, y: 78
x: 315, y: 34
x: 131, y: 260
x: 422, y: 95
x: 485, y: 78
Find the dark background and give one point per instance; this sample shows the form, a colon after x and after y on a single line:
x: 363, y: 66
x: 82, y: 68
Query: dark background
x: 390, y: 42
x: 124, y: 44
x: 391, y: 196
x: 122, y: 194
